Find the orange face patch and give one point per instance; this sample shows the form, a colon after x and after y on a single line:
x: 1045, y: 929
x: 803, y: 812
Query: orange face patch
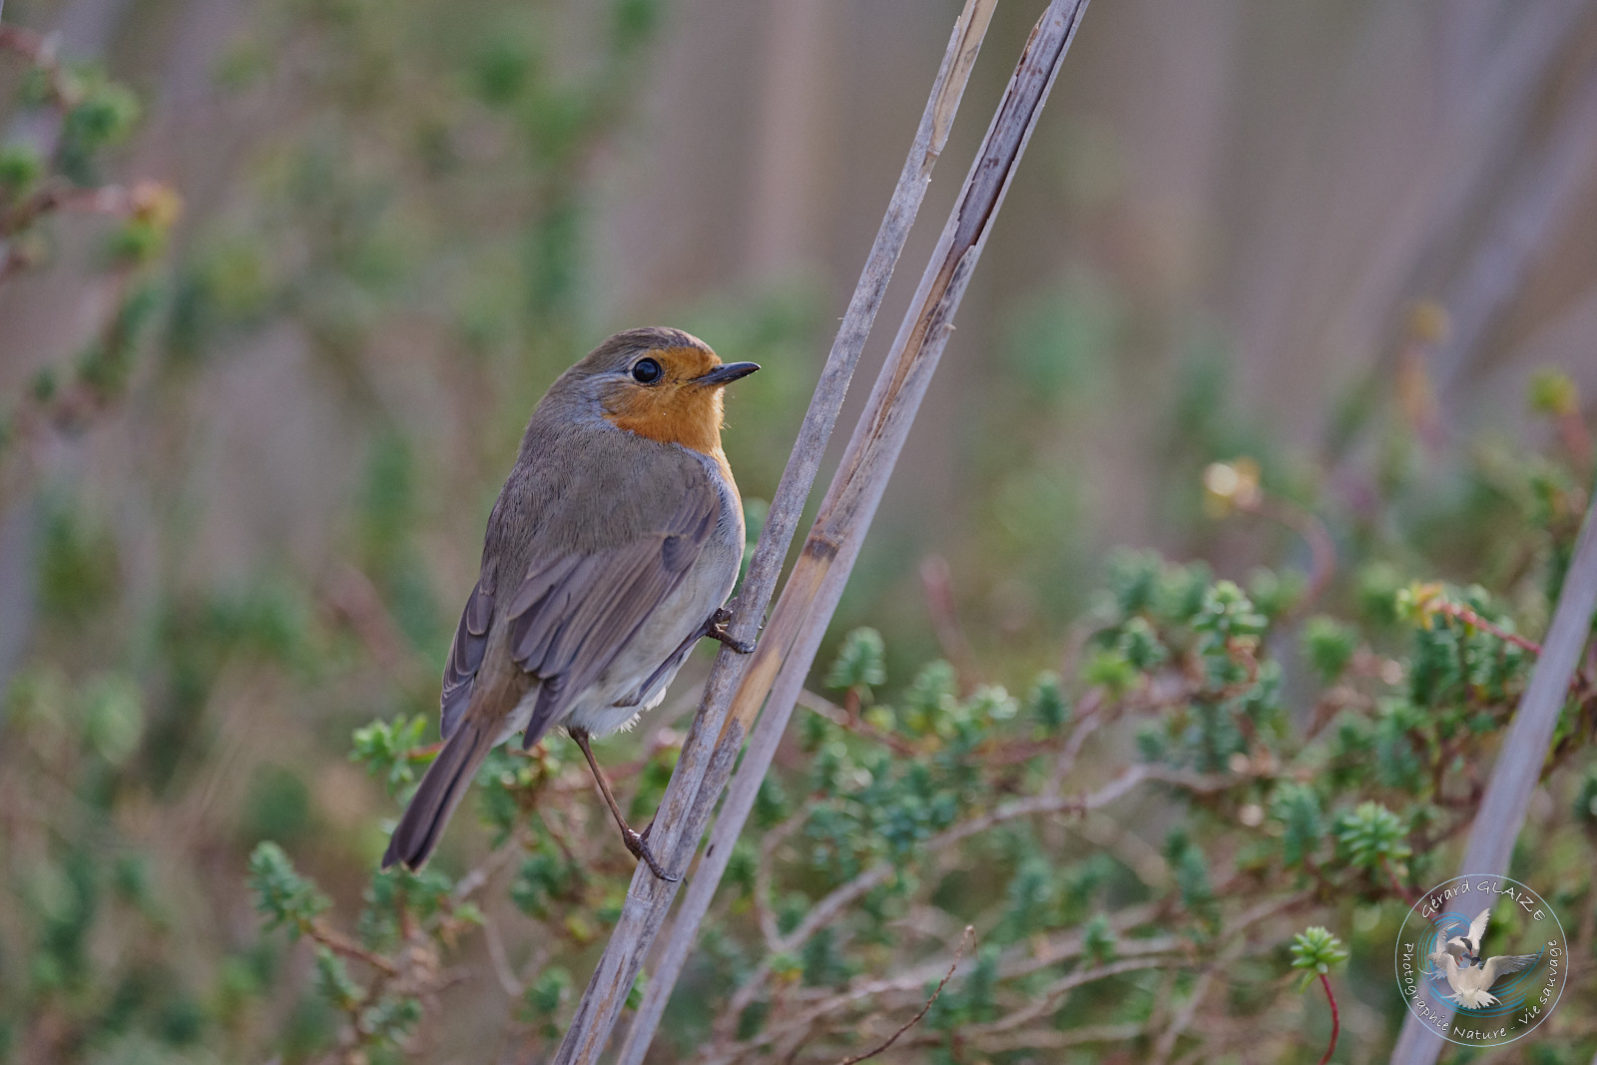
x: 684, y: 364
x: 672, y: 410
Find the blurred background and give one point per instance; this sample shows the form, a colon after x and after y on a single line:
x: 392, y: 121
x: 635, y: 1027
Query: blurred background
x: 267, y: 349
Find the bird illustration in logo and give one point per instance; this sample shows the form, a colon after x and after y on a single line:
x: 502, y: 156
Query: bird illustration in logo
x: 1471, y: 976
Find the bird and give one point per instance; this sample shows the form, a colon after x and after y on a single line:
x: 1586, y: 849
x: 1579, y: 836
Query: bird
x: 1468, y: 974
x: 1468, y: 947
x: 609, y: 553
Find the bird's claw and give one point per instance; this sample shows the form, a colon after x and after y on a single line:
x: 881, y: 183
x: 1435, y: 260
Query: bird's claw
x: 637, y: 843
x: 716, y: 629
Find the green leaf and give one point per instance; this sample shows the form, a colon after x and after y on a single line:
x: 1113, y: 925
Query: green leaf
x: 861, y: 662
x: 282, y: 896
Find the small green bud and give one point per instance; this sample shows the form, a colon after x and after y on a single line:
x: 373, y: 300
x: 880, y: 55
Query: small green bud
x: 1315, y: 950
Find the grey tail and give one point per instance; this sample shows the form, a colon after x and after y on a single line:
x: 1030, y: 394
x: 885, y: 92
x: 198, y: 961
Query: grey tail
x: 435, y: 800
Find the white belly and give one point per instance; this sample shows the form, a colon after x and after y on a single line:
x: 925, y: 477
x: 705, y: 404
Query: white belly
x: 616, y: 698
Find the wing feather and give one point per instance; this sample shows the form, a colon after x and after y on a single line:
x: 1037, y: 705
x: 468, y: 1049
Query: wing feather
x: 465, y: 656
x: 1500, y: 966
x: 1477, y: 929
x: 574, y: 614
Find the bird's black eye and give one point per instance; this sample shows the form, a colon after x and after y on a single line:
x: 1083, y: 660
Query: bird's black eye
x: 646, y: 371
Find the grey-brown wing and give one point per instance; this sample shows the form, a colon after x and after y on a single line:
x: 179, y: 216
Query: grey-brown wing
x: 573, y: 614
x: 465, y: 655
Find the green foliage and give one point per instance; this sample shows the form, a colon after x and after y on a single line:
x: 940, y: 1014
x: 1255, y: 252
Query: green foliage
x: 333, y: 981
x: 861, y: 663
x: 543, y: 877
x: 1191, y: 869
x: 1047, y: 704
x: 1371, y: 838
x: 1552, y: 392
x: 20, y: 169
x: 282, y: 896
x: 1297, y: 808
x: 384, y: 748
x: 1329, y: 646
x: 1315, y: 951
x: 1585, y: 804
x: 1098, y: 940
x: 103, y: 115
x: 544, y: 998
x: 1216, y: 756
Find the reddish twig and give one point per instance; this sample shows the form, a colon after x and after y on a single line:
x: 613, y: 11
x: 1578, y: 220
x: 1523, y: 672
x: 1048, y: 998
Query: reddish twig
x: 1469, y: 617
x: 1397, y: 884
x: 1307, y: 524
x: 1336, y: 1020
x: 339, y: 943
x: 937, y: 581
x: 959, y: 952
x: 837, y: 715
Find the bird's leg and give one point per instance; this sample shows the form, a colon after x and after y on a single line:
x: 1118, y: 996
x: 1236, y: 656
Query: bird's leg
x: 715, y: 629
x: 636, y: 842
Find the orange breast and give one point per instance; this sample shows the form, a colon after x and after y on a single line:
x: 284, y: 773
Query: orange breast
x: 690, y: 417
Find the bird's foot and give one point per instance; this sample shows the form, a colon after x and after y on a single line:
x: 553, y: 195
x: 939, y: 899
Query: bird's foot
x: 716, y: 629
x: 638, y: 844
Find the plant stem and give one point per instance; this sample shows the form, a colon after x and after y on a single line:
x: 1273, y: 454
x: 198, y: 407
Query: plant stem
x: 1336, y: 1020
x: 1471, y: 618
x: 707, y: 754
x: 964, y: 942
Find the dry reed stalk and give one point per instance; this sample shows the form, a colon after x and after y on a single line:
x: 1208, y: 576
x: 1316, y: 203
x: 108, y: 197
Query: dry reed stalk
x: 811, y: 594
x: 707, y: 753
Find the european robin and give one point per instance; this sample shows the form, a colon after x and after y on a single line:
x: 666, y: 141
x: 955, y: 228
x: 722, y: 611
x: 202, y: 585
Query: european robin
x: 610, y: 551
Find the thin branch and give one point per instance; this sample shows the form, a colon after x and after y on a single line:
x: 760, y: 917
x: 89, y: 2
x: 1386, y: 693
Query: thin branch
x: 499, y: 961
x: 937, y: 582
x: 1036, y: 1040
x: 1336, y: 1020
x: 1308, y: 525
x: 820, y: 706
x: 1166, y: 1045
x: 707, y: 755
x: 959, y: 952
x: 1471, y: 618
x: 814, y: 1017
x: 827, y: 909
x: 1160, y: 952
x: 1048, y: 998
x: 339, y: 943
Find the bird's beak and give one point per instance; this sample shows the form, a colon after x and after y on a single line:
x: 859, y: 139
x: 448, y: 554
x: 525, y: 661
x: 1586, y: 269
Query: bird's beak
x: 726, y: 374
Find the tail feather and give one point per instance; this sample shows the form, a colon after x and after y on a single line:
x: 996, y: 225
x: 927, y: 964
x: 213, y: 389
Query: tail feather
x: 441, y: 789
